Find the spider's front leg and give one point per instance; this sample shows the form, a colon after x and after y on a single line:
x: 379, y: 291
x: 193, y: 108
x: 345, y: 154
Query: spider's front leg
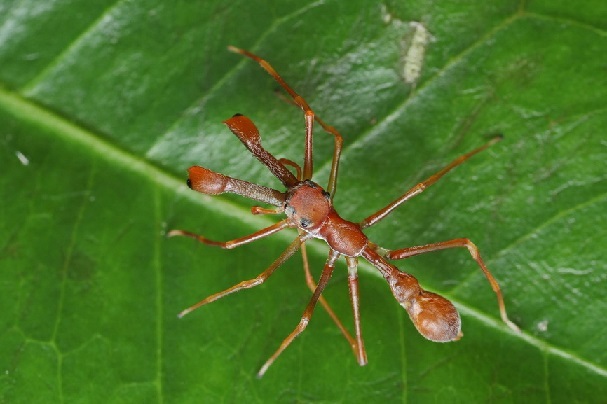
x: 297, y: 99
x: 309, y: 116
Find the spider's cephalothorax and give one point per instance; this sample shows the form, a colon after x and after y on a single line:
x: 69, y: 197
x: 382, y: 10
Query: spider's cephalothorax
x: 307, y: 205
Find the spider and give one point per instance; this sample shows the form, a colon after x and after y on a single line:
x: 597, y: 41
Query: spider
x: 309, y: 209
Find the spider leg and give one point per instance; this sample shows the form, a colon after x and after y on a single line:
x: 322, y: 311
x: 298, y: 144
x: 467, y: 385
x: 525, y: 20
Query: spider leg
x: 338, y: 139
x: 258, y: 280
x: 297, y: 99
x: 361, y: 354
x: 419, y: 188
x: 307, y: 315
x: 332, y: 185
x: 312, y: 286
x: 276, y: 227
x: 293, y: 164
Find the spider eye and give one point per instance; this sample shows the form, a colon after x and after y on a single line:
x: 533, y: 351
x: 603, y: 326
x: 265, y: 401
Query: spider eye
x: 304, y: 223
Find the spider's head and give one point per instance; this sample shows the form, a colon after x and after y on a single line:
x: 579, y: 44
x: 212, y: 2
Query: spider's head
x: 307, y: 205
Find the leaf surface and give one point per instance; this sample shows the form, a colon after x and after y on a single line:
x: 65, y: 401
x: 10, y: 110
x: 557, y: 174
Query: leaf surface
x: 104, y: 105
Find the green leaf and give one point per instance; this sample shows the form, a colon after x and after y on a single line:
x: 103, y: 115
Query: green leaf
x: 103, y: 106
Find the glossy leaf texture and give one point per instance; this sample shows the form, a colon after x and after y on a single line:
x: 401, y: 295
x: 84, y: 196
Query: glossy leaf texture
x: 104, y: 105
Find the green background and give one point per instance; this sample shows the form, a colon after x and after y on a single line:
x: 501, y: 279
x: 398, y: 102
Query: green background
x: 111, y: 101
